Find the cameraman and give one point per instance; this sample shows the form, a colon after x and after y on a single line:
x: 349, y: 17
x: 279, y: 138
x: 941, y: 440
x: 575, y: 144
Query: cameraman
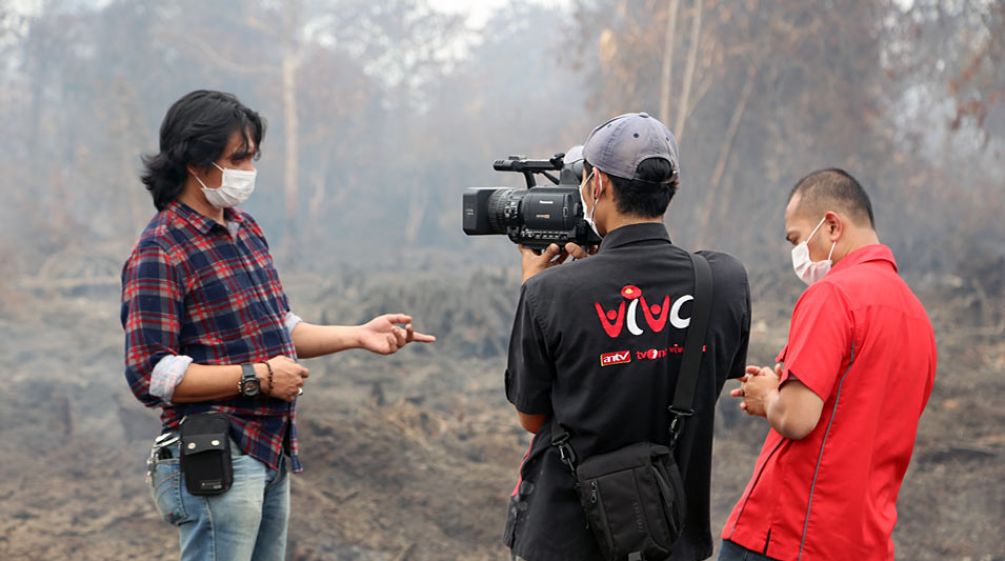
x: 577, y: 359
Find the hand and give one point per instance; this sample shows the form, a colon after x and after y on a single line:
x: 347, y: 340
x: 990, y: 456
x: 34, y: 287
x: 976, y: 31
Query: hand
x: 287, y: 378
x: 383, y: 334
x: 534, y: 261
x: 579, y: 252
x: 759, y: 387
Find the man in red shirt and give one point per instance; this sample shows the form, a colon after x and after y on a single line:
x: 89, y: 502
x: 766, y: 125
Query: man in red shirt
x: 844, y: 401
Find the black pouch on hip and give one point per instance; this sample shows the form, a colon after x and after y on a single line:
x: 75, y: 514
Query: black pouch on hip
x: 205, y: 454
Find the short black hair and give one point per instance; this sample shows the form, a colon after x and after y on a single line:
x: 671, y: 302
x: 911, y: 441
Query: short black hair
x: 649, y: 195
x: 837, y: 189
x: 195, y: 131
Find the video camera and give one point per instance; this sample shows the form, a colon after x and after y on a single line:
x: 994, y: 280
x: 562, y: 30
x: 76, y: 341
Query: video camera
x: 537, y: 216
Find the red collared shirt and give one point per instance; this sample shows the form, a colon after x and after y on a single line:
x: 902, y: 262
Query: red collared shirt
x: 862, y: 341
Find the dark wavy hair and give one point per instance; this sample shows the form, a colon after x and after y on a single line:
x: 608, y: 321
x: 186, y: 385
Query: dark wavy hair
x: 195, y: 131
x: 650, y: 194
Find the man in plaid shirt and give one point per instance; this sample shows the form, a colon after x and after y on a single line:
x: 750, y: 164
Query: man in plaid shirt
x: 208, y: 327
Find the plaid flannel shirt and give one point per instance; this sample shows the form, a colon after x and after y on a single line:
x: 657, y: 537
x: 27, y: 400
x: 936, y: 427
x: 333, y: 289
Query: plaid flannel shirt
x: 195, y: 288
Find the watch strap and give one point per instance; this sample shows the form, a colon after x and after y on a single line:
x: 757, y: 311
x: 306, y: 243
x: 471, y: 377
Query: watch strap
x: 247, y: 373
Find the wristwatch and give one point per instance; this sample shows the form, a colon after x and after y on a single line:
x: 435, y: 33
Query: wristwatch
x: 249, y: 386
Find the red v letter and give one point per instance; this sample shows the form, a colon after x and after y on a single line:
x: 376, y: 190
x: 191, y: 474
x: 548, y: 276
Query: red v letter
x: 658, y: 322
x: 612, y: 329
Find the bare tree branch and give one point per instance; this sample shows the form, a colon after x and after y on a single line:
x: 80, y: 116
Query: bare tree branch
x: 291, y: 164
x: 725, y: 149
x: 668, y: 49
x: 692, y: 59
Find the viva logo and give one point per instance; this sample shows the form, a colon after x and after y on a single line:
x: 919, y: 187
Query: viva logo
x: 655, y: 315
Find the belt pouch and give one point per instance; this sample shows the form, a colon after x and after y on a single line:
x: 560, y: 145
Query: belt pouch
x: 205, y: 454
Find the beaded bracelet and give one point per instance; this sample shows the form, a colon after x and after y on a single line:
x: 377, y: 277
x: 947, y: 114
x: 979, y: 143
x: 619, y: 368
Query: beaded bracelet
x: 269, y: 368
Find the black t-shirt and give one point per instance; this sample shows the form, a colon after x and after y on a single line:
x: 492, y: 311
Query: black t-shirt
x: 596, y: 345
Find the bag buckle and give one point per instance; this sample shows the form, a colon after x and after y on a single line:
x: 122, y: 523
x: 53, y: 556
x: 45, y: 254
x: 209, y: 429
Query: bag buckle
x: 566, y: 453
x: 675, y: 424
x: 564, y: 450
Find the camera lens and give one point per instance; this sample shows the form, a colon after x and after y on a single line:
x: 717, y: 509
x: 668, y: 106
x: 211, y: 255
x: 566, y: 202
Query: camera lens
x: 498, y: 203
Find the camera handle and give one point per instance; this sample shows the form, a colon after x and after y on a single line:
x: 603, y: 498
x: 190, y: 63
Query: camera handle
x: 528, y: 168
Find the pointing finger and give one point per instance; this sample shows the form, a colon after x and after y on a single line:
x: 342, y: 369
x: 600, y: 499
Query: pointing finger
x: 423, y: 338
x: 411, y: 335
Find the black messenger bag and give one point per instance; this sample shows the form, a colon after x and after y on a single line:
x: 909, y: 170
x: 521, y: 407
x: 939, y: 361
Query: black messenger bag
x: 205, y: 454
x: 634, y: 497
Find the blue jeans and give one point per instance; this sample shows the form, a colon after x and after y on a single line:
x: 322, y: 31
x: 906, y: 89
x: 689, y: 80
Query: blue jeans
x: 733, y: 552
x: 247, y: 523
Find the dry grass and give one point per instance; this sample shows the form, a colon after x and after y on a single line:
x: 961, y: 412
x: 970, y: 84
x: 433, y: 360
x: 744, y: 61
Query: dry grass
x: 412, y: 456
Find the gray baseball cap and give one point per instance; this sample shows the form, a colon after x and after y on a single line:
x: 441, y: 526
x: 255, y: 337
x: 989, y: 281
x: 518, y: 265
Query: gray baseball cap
x: 617, y: 146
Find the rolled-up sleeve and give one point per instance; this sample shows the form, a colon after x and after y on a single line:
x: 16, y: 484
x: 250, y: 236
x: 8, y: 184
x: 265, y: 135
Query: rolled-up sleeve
x: 291, y: 321
x: 530, y: 372
x: 152, y: 308
x: 167, y: 375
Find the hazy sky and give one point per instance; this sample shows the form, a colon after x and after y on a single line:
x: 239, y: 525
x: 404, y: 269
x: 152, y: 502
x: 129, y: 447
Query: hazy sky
x: 479, y: 11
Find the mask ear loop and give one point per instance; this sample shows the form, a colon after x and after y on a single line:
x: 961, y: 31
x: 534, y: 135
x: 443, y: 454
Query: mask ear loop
x: 587, y: 182
x: 593, y: 212
x: 814, y: 232
x: 596, y: 199
x: 200, y: 181
x: 204, y: 186
x: 833, y: 245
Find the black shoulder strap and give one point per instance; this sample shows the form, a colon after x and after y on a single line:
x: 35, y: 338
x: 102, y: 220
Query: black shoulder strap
x: 687, y: 377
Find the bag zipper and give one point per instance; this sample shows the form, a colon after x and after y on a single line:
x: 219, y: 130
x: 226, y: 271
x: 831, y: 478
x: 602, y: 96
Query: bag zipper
x: 664, y: 488
x: 597, y: 499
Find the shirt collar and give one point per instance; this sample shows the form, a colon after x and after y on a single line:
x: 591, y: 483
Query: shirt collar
x: 633, y: 233
x: 865, y: 254
x: 200, y: 222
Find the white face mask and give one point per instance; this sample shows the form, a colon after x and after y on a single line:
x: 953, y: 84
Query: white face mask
x: 235, y: 187
x: 810, y: 271
x: 588, y: 216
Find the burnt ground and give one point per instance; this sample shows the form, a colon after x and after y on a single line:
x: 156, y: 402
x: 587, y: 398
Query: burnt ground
x: 412, y: 457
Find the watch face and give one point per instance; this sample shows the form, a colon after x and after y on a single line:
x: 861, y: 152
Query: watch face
x: 250, y: 388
